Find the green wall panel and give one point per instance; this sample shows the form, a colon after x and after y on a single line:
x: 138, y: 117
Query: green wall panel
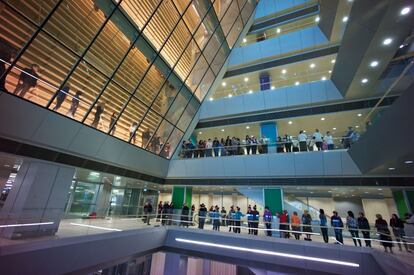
x: 400, y: 203
x: 178, y: 196
x: 273, y: 198
x: 188, y: 195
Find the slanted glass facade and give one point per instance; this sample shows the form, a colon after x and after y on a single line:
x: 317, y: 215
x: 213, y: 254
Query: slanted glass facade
x: 135, y: 69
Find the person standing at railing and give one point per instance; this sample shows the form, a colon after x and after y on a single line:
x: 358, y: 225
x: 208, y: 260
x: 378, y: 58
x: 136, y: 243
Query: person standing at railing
x: 363, y: 225
x: 352, y: 225
x: 216, y: 147
x: 267, y: 219
x: 27, y: 80
x: 61, y: 96
x: 216, y: 218
x: 318, y: 139
x: 384, y: 233
x: 295, y: 145
x: 397, y: 226
x: 284, y: 224
x: 230, y: 219
x: 248, y: 145
x: 74, y: 104
x: 255, y: 221
x: 347, y: 139
x: 164, y: 213
x: 329, y: 140
x: 202, y: 212
x: 185, y: 211
x: 409, y: 227
x: 288, y: 143
x: 302, y: 138
x: 237, y: 217
x: 337, y: 224
x: 295, y: 221
x: 279, y: 145
x: 307, y: 227
x: 147, y: 212
x: 265, y: 144
x: 201, y: 148
x: 323, y: 222
x: 159, y: 210
x: 249, y: 216
x: 254, y: 145
x: 209, y: 148
x: 223, y: 214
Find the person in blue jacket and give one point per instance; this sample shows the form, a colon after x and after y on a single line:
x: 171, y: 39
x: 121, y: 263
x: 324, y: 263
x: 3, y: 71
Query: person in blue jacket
x: 267, y: 218
x: 255, y: 220
x: 237, y: 217
x: 216, y: 218
x: 337, y: 224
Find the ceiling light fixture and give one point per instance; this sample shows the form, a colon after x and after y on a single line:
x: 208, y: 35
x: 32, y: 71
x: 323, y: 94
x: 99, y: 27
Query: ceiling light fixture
x: 317, y: 19
x: 284, y: 71
x: 211, y: 99
x: 405, y: 11
x: 297, y: 83
x: 272, y: 88
x: 356, y: 126
x: 290, y: 122
x: 246, y: 79
x: 244, y: 40
x: 408, y: 162
x: 230, y: 95
x: 387, y: 41
x: 250, y: 91
x: 391, y: 168
x: 345, y: 19
x: 278, y: 30
x: 200, y: 133
x: 402, y: 46
x: 374, y: 63
x: 223, y: 84
x: 312, y: 65
x: 247, y: 127
x: 359, y: 114
x: 330, y: 71
x: 222, y: 130
x: 323, y: 78
x: 322, y: 118
x: 334, y: 128
x: 364, y: 80
x: 333, y: 61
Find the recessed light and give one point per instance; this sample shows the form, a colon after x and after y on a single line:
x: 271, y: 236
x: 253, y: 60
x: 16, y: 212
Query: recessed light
x: 312, y: 65
x: 374, y: 63
x: 364, y: 80
x: 290, y: 122
x: 284, y: 71
x: 247, y: 127
x: 387, y: 41
x: 322, y: 118
x: 323, y: 78
x: 211, y: 99
x: 317, y: 19
x: 278, y: 30
x: 230, y: 95
x: 379, y: 189
x: 272, y: 88
x: 391, y: 168
x: 244, y: 40
x: 222, y: 130
x: 405, y: 11
x: 359, y: 114
x: 246, y: 79
x: 250, y: 91
x: 330, y: 71
x: 200, y: 133
x: 304, y: 131
x: 356, y: 126
x: 333, y: 61
x: 345, y: 19
x: 402, y: 46
x: 333, y: 128
x: 223, y: 84
x: 297, y: 83
x: 408, y: 162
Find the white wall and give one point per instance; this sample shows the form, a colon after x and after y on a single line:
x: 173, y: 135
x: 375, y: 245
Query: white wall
x: 385, y: 207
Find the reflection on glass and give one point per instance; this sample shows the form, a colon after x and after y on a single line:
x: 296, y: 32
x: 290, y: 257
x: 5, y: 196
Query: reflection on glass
x: 167, y: 94
x: 234, y: 33
x: 213, y: 45
x: 228, y: 20
x: 148, y: 127
x: 221, y: 6
x: 84, y: 198
x: 112, y: 44
x: 171, y: 144
x: 41, y: 70
x: 139, y: 11
x: 160, y: 137
x: 220, y: 58
x: 206, y: 29
x: 197, y: 73
x: 36, y: 11
x: 76, y: 22
x: 205, y: 85
x: 178, y: 106
x: 248, y: 10
x: 188, y: 114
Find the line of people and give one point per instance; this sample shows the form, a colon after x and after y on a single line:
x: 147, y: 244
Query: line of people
x: 252, y: 145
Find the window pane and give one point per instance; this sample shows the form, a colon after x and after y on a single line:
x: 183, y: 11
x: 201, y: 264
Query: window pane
x: 248, y: 10
x: 160, y: 137
x: 188, y: 114
x: 171, y: 144
x: 197, y: 73
x: 181, y: 5
x: 213, y: 45
x: 86, y: 80
x: 187, y: 60
x: 54, y: 63
x: 36, y: 11
x: 195, y: 14
x: 111, y: 101
x: 128, y: 122
x: 148, y: 127
x: 231, y: 15
x: 162, y: 23
x: 112, y: 44
x: 140, y: 10
x: 220, y: 6
x: 176, y: 44
x: 167, y: 94
x: 14, y: 33
x: 134, y: 66
x: 220, y: 58
x: 153, y: 81
x: 206, y: 29
x: 205, y: 85
x: 234, y: 33
x: 76, y: 22
x: 178, y: 106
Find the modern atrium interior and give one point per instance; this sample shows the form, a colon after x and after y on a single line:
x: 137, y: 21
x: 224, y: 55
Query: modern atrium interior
x: 206, y: 137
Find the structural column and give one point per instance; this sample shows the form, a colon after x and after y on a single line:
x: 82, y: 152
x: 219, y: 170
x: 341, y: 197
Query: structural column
x: 269, y: 130
x: 38, y: 196
x: 181, y: 195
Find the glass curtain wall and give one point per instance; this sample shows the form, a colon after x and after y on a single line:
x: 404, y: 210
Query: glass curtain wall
x: 134, y: 69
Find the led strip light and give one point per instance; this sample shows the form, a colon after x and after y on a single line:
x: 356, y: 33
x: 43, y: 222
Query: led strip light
x: 95, y: 227
x: 25, y: 224
x: 265, y: 252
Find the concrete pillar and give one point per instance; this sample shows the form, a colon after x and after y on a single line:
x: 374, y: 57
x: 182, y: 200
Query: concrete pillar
x: 38, y: 195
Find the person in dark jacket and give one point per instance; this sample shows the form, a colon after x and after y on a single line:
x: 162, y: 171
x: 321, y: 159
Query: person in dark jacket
x: 323, y: 224
x: 337, y: 224
x: 223, y: 214
x: 230, y: 218
x: 397, y: 226
x: 307, y: 227
x: 159, y: 211
x: 255, y: 220
x: 363, y: 225
x: 352, y: 225
x: 267, y: 219
x: 202, y: 212
x: 185, y: 211
x: 7, y: 53
x: 61, y: 96
x: 74, y: 105
x: 148, y: 212
x: 384, y: 233
x: 27, y: 80
x: 100, y: 108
